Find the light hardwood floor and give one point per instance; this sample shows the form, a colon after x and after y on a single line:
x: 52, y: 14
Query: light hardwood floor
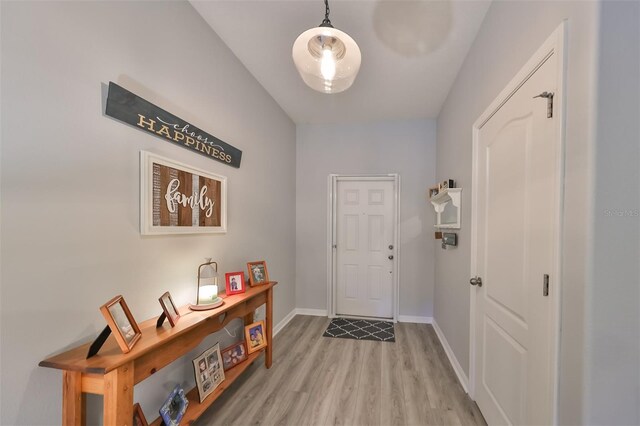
x: 319, y: 380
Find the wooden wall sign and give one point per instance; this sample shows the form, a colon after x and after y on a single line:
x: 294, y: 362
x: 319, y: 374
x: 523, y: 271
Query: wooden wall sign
x: 179, y: 199
x: 132, y: 109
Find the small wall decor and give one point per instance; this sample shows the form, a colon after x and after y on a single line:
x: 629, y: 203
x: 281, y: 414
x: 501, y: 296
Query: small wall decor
x: 209, y: 371
x: 121, y: 322
x: 258, y: 273
x: 255, y: 337
x: 234, y: 355
x: 132, y: 109
x: 433, y: 191
x: 169, y: 309
x: 138, y: 416
x: 235, y: 283
x: 174, y: 407
x: 179, y: 199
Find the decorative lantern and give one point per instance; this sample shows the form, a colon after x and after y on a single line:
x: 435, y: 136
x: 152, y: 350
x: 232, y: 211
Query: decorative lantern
x: 207, y: 296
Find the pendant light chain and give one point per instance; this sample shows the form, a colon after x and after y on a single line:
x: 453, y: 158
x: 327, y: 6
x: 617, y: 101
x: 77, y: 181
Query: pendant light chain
x: 326, y: 22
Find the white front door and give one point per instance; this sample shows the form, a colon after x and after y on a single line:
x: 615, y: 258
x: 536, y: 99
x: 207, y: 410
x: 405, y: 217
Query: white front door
x: 517, y: 209
x: 364, y: 247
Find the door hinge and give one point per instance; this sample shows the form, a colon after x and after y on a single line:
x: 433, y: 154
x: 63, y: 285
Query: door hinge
x: 545, y: 285
x: 549, y: 96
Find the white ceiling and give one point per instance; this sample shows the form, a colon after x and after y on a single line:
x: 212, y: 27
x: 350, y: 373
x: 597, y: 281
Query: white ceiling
x: 411, y: 52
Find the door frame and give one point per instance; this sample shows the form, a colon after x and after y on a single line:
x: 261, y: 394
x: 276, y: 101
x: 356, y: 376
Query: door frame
x: 332, y: 184
x: 555, y: 44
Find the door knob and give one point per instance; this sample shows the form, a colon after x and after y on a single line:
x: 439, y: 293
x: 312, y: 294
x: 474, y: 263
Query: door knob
x: 390, y: 246
x: 476, y: 281
x: 390, y: 257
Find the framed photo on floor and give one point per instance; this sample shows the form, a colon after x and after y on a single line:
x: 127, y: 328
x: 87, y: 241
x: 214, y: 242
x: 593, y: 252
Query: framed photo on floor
x: 258, y: 273
x: 235, y: 283
x: 121, y: 322
x: 138, y: 416
x: 174, y: 407
x: 234, y: 355
x: 255, y: 336
x: 209, y: 371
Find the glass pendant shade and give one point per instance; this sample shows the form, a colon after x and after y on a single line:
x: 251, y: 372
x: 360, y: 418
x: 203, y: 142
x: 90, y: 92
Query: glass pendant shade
x: 327, y: 59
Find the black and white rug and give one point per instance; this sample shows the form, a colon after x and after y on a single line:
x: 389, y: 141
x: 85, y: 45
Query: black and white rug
x: 358, y: 329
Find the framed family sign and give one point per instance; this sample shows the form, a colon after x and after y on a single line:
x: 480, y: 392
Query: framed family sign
x: 179, y: 199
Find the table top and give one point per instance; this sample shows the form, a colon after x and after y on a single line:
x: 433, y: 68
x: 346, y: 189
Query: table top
x: 110, y: 355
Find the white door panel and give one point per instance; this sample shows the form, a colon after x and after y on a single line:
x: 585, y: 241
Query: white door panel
x: 364, y: 232
x: 516, y: 193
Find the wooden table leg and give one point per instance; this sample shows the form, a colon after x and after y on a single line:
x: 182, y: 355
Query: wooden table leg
x: 72, y: 399
x: 269, y: 316
x: 118, y: 396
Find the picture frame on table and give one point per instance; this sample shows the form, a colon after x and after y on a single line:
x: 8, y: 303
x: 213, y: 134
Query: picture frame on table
x: 234, y: 355
x: 258, y: 274
x: 209, y: 371
x: 174, y: 407
x: 433, y: 191
x: 169, y: 308
x: 138, y: 416
x: 255, y: 336
x: 121, y: 322
x: 235, y: 283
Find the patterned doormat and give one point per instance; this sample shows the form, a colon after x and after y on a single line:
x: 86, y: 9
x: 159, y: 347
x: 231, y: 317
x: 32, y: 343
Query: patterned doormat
x: 358, y: 329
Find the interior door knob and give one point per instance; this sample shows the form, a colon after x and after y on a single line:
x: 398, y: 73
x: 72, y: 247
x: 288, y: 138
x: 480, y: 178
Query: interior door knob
x: 476, y: 281
x: 390, y: 257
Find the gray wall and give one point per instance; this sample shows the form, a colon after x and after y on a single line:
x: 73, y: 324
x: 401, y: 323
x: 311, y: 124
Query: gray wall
x: 510, y: 34
x: 404, y: 147
x: 613, y: 302
x: 70, y: 182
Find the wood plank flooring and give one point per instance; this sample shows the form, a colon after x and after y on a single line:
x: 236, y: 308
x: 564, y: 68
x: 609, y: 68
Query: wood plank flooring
x: 319, y: 380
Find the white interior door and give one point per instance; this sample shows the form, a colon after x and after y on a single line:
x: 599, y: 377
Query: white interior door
x: 517, y: 209
x: 364, y: 248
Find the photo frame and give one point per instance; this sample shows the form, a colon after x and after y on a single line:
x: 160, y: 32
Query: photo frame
x: 433, y: 191
x: 258, y: 274
x: 138, y: 416
x: 234, y: 355
x: 209, y: 371
x: 176, y: 198
x: 169, y: 308
x: 255, y: 336
x: 121, y: 322
x: 235, y: 283
x: 174, y: 407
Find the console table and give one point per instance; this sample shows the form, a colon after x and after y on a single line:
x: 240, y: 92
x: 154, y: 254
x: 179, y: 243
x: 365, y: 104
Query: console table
x: 113, y: 374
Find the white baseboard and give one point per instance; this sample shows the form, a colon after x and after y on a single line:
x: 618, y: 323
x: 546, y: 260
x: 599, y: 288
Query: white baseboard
x: 414, y: 319
x: 312, y: 312
x: 462, y: 378
x: 282, y: 324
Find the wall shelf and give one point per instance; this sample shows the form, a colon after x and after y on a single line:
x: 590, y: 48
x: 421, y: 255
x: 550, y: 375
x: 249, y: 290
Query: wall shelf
x: 446, y: 203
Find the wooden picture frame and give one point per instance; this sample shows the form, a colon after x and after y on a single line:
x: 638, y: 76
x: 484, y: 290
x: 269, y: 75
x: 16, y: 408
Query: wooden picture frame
x: 255, y: 336
x: 209, y: 371
x: 169, y: 308
x: 258, y: 274
x: 121, y: 322
x: 235, y: 283
x: 174, y: 407
x: 138, y: 416
x: 176, y: 198
x: 234, y: 355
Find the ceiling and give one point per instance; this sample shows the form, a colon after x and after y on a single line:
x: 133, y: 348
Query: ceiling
x: 411, y: 52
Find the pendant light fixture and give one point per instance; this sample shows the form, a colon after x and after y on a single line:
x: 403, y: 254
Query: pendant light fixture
x: 327, y: 59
